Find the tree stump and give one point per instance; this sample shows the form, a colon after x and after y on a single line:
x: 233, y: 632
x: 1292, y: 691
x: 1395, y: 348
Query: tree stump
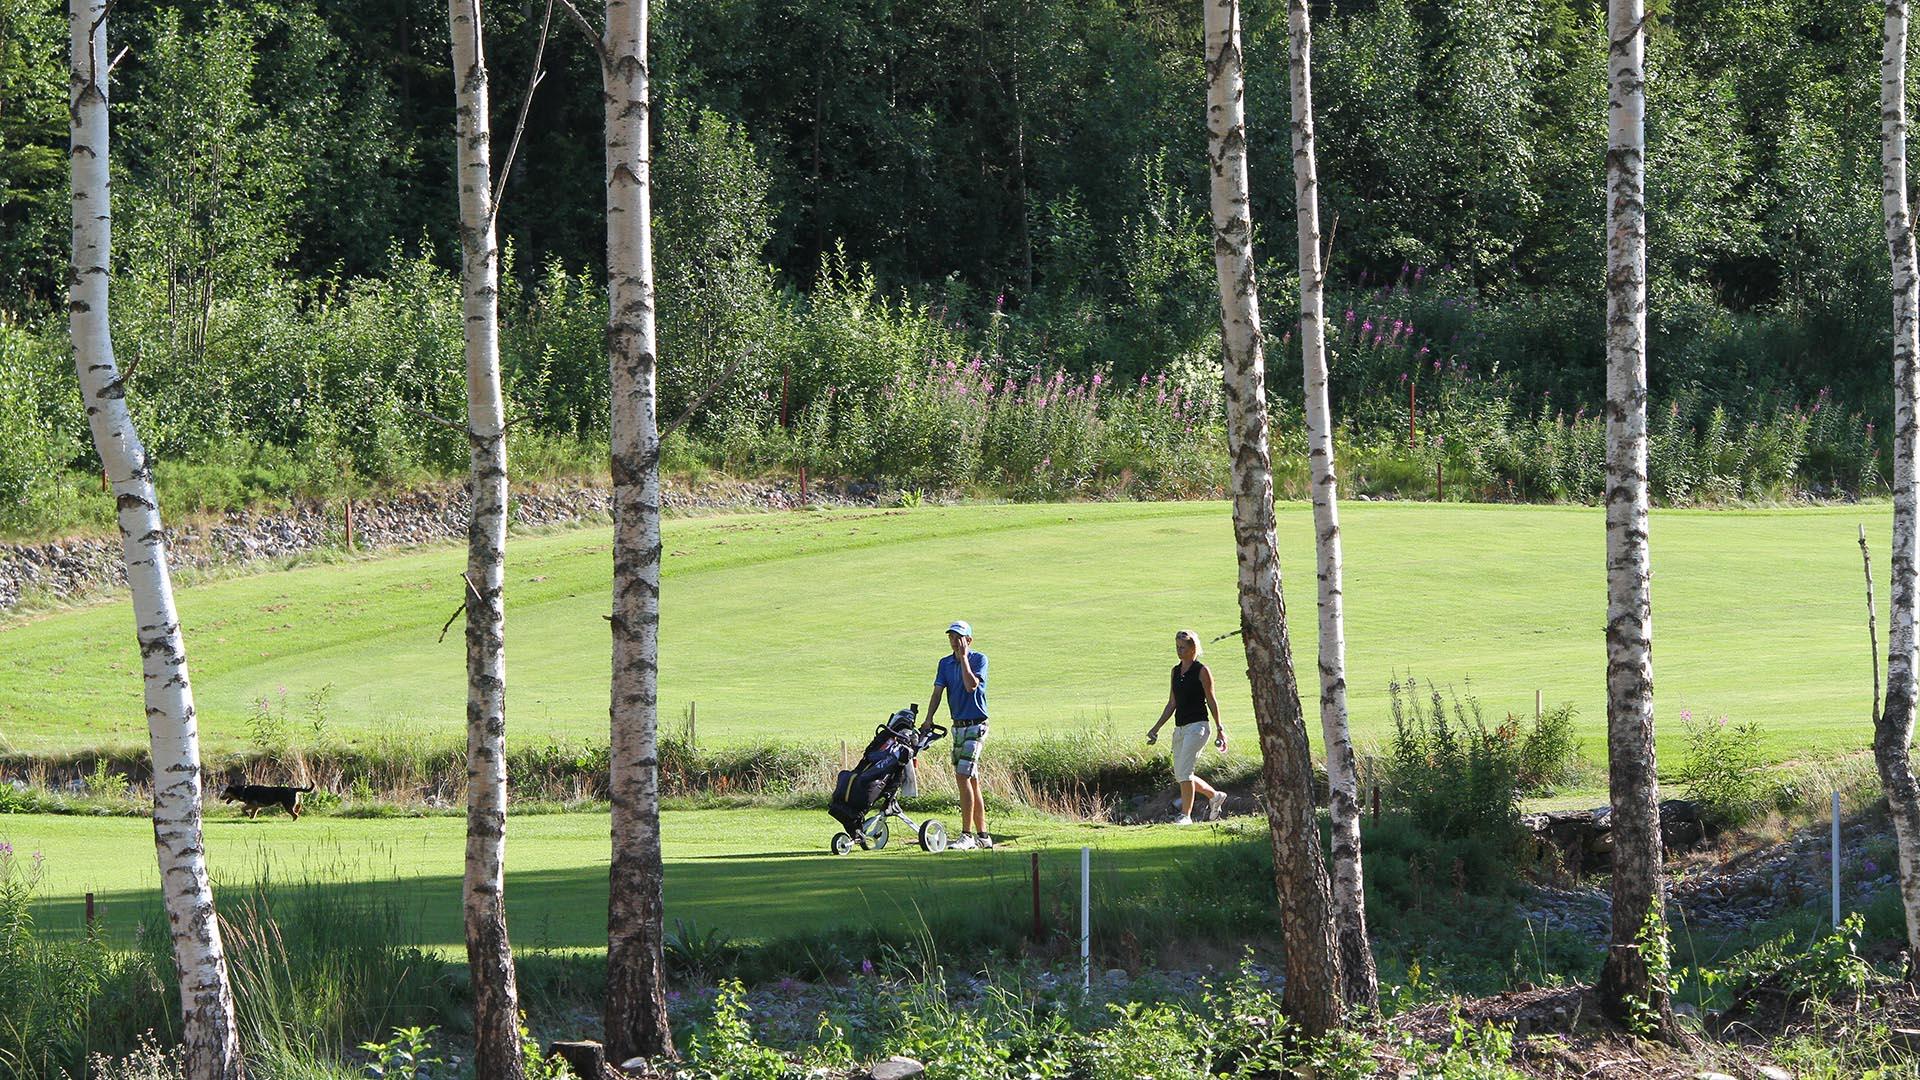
x: 587, y: 1059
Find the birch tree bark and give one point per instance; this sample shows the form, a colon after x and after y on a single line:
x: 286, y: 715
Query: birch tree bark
x: 206, y: 996
x: 1312, y: 993
x: 1359, y: 981
x: 496, y: 998
x: 636, y: 1019
x: 1628, y: 990
x: 1893, y: 728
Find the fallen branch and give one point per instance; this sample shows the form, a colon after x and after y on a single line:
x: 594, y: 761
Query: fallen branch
x: 520, y: 125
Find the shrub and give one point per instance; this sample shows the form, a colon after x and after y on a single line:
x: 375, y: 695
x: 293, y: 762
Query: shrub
x: 1724, y: 770
x: 1452, y: 775
x: 1549, y: 752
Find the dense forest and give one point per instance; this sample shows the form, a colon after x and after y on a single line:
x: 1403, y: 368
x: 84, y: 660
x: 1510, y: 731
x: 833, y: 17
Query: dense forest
x: 861, y: 198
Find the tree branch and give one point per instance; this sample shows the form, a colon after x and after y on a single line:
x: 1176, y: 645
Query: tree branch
x: 442, y: 421
x: 701, y: 399
x: 520, y: 125
x: 594, y: 37
x: 124, y: 50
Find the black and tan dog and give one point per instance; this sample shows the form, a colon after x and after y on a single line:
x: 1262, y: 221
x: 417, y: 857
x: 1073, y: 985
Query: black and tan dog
x: 254, y: 798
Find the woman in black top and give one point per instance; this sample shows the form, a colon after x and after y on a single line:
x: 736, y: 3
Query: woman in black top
x: 1189, y: 701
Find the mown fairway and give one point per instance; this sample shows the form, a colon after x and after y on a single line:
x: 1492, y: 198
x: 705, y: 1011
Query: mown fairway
x: 750, y: 874
x: 813, y: 626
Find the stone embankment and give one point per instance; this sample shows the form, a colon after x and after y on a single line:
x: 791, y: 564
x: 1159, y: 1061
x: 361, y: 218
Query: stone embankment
x: 70, y: 568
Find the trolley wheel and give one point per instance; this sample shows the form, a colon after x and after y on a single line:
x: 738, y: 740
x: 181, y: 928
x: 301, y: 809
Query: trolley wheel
x: 842, y: 843
x: 877, y: 834
x: 933, y: 836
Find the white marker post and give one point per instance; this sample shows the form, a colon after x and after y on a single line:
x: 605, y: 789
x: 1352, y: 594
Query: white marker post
x: 1086, y: 927
x: 1836, y: 859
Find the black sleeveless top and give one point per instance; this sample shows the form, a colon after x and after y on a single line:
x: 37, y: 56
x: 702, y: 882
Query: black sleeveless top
x: 1189, y: 696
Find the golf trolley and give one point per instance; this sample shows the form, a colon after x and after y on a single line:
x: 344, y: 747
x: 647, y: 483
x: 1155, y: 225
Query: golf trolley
x: 869, y: 793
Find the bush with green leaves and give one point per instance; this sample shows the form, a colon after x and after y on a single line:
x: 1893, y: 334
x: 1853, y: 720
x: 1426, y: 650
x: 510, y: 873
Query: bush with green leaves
x: 1446, y: 769
x: 1724, y: 770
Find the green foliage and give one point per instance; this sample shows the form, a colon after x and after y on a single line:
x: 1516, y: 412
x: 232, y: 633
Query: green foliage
x: 725, y: 1049
x: 1446, y: 769
x: 402, y: 1055
x: 1549, y: 751
x: 1725, y: 770
x: 1828, y: 969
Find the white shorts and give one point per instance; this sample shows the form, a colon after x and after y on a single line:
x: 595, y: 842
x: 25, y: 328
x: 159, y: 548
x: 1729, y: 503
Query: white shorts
x: 1188, y: 741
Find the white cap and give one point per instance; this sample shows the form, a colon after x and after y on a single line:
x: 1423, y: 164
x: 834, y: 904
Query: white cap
x: 960, y: 627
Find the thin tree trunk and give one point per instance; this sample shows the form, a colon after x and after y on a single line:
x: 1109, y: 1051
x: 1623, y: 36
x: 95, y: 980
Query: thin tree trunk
x: 496, y: 999
x: 206, y: 997
x: 1313, y: 961
x: 1359, y: 982
x: 1893, y: 732
x: 636, y: 1020
x: 1629, y: 992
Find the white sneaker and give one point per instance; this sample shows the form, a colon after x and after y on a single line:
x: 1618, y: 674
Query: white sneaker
x: 984, y: 842
x: 1183, y: 819
x: 1217, y: 806
x: 965, y: 843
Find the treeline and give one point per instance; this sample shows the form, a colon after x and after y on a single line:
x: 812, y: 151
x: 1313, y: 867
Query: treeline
x: 849, y: 189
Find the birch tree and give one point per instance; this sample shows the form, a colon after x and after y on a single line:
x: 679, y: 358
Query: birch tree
x: 636, y: 1006
x: 496, y: 999
x: 1313, y: 996
x: 1893, y: 728
x: 1628, y: 990
x: 206, y: 996
x: 1359, y: 982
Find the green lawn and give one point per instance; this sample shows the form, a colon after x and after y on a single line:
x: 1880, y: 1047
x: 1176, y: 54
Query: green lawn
x: 750, y: 874
x: 815, y: 625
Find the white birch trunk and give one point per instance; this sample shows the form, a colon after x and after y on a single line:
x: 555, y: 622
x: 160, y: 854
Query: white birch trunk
x: 1312, y: 993
x: 636, y: 1017
x: 1893, y: 728
x: 1627, y: 988
x: 1359, y: 981
x: 496, y: 999
x: 206, y: 997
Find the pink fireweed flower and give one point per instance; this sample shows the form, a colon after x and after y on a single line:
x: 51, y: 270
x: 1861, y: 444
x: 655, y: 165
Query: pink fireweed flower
x: 1436, y: 365
x: 1000, y: 301
x: 866, y: 967
x: 1422, y: 354
x: 1399, y: 325
x: 1047, y: 462
x: 1685, y: 715
x: 1349, y: 314
x: 1097, y: 379
x: 1366, y: 328
x: 1403, y: 375
x: 1160, y: 398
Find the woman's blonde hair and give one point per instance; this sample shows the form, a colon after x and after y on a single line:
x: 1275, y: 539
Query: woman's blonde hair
x: 1188, y: 635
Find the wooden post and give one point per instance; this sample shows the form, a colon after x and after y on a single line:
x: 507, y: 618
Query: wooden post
x: 1439, y: 483
x: 803, y: 485
x: 89, y: 913
x: 843, y: 755
x: 349, y: 524
x: 1536, y: 706
x: 1037, y: 928
x: 103, y: 478
x: 693, y: 726
x: 1376, y: 804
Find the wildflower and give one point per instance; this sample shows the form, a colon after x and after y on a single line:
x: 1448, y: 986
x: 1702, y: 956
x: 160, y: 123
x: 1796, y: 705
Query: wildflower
x: 1097, y: 380
x: 1349, y: 314
x: 1000, y: 301
x: 1366, y: 328
x: 5, y: 848
x: 1422, y: 355
x: 866, y: 967
x: 1436, y: 365
x: 673, y: 995
x: 1686, y: 715
x: 1418, y: 273
x: 1398, y: 325
x: 1870, y: 867
x: 1403, y: 375
x: 1047, y: 462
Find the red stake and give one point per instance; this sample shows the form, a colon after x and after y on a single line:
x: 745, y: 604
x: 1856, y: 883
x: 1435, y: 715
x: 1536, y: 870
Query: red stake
x: 89, y: 913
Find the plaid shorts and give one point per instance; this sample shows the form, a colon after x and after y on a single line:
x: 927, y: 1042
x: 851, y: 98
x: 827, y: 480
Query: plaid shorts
x: 966, y: 748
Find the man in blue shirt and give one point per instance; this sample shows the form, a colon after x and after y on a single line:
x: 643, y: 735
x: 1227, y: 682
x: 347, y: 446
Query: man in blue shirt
x: 963, y: 674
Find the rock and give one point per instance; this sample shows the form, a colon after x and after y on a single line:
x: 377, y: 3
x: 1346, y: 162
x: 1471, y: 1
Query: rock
x: 1117, y: 976
x: 1773, y: 1072
x: 896, y: 1068
x: 1712, y: 1076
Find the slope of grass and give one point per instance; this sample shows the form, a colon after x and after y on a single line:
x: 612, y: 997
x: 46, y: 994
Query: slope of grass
x: 813, y: 626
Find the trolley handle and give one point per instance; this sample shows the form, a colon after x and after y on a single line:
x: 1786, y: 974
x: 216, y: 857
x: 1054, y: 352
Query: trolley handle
x: 934, y: 731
